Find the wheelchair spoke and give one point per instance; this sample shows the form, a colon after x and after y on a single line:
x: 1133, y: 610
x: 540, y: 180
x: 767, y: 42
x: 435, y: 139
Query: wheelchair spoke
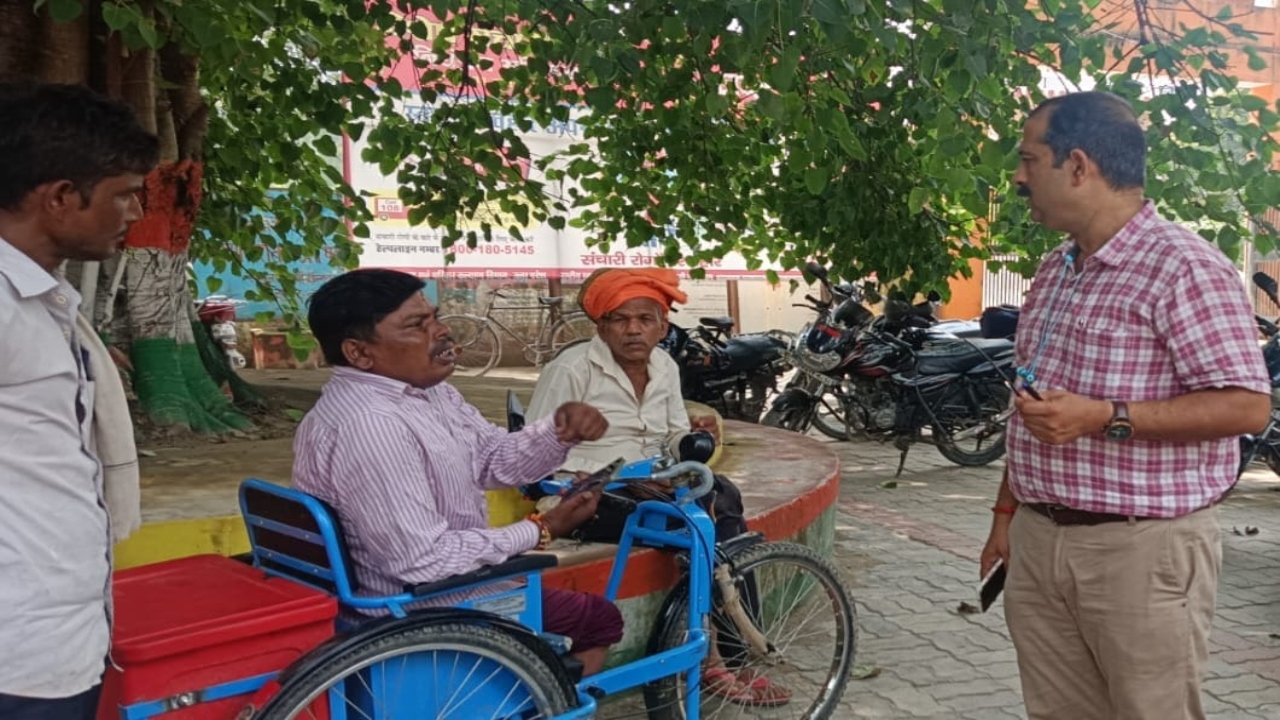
x: 442, y: 670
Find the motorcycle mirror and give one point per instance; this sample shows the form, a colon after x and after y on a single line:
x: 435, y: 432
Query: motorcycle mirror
x: 1266, y: 284
x: 816, y: 270
x: 933, y: 296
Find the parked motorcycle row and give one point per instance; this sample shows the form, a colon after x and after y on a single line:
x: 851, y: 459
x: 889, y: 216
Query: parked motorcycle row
x: 735, y: 374
x: 902, y: 377
x: 1265, y: 446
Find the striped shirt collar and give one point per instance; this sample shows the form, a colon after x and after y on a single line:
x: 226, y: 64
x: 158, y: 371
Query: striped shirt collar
x: 346, y: 375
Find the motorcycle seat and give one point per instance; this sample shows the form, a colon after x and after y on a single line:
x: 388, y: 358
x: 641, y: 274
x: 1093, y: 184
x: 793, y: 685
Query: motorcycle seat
x: 746, y: 352
x: 550, y: 301
x: 724, y: 322
x: 961, y: 356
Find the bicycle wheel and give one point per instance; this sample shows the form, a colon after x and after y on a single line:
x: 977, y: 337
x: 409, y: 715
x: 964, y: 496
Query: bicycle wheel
x: 804, y: 613
x: 477, y: 343
x: 438, y: 671
x: 571, y: 329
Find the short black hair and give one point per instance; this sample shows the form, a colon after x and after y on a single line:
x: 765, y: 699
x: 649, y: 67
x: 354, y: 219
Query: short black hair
x: 1102, y: 126
x: 351, y: 305
x: 54, y: 132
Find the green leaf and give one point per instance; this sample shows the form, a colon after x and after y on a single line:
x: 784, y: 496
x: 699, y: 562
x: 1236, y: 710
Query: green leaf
x: 782, y: 74
x: 815, y: 179
x: 830, y: 12
x: 919, y: 196
x: 64, y: 11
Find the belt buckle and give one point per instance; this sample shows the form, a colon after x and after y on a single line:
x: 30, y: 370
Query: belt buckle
x: 1050, y: 510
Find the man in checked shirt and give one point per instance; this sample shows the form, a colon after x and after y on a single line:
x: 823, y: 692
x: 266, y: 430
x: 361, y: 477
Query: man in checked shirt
x: 405, y: 460
x: 1139, y: 344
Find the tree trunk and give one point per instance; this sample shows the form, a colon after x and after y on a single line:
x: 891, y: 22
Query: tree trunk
x: 171, y: 381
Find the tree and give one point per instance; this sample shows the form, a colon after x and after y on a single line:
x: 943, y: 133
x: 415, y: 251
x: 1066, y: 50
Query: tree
x: 247, y: 99
x: 877, y: 134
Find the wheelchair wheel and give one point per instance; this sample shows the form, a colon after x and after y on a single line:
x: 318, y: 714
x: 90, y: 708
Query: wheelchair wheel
x: 800, y: 606
x: 435, y: 671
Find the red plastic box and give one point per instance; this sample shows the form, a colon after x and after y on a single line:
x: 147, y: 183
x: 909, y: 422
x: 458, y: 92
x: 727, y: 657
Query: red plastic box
x: 187, y: 625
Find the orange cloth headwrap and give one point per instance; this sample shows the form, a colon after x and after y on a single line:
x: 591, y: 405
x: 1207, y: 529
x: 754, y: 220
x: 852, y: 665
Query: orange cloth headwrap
x: 604, y: 290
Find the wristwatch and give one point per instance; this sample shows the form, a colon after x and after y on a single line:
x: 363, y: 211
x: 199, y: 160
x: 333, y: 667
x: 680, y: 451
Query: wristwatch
x: 1119, y: 428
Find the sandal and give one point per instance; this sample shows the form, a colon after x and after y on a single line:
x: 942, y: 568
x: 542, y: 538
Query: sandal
x: 764, y: 692
x: 721, y: 682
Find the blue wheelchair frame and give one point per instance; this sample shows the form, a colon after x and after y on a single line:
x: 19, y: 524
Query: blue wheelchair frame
x: 308, y: 547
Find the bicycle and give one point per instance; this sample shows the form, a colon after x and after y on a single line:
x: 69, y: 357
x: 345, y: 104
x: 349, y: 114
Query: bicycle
x: 480, y: 348
x: 487, y: 658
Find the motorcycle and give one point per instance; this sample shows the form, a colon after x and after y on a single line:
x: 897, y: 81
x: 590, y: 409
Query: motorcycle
x: 894, y: 378
x: 218, y: 313
x: 735, y: 374
x: 816, y: 376
x: 1265, y: 446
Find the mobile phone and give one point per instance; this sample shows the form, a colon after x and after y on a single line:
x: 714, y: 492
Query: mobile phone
x: 594, y: 480
x: 991, y: 585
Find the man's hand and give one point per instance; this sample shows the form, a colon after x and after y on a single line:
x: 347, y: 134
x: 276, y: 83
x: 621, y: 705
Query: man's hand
x: 576, y: 422
x: 1060, y: 416
x: 997, y: 547
x: 571, y: 512
x: 706, y: 423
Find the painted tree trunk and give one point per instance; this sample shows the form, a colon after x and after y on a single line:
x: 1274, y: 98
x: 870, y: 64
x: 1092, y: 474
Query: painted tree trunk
x: 170, y: 380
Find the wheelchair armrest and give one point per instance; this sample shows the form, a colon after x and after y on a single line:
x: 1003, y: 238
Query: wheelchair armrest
x: 518, y: 565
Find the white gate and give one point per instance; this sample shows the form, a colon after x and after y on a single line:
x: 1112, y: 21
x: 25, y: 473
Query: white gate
x: 1003, y: 287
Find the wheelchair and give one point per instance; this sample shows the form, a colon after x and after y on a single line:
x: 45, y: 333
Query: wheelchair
x: 776, y: 607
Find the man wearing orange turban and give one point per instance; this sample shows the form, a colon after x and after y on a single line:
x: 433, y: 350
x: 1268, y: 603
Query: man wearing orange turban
x: 638, y: 392
x: 604, y: 290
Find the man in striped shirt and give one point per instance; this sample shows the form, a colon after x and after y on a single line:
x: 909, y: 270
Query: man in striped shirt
x: 405, y: 460
x: 1140, y: 367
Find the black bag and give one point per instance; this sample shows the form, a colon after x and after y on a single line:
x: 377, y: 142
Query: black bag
x: 611, y: 516
x: 723, y: 503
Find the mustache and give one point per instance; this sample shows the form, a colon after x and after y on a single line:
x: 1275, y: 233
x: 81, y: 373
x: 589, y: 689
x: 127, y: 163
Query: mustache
x: 442, y: 344
x: 1023, y: 191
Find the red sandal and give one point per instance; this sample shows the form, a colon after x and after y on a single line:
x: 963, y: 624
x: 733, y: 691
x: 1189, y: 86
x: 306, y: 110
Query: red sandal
x: 764, y: 692
x: 722, y: 683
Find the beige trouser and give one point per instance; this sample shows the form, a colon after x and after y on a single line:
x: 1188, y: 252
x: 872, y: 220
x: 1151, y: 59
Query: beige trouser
x: 1112, y: 621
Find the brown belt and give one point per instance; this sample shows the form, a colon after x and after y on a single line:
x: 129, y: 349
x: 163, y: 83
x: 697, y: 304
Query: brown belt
x: 1063, y: 515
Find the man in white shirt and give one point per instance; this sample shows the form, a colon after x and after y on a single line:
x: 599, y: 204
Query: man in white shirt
x: 638, y: 392
x: 73, y: 163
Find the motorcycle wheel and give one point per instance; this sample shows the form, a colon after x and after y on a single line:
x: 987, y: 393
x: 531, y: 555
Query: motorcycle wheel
x: 793, y: 419
x: 829, y: 418
x: 988, y: 446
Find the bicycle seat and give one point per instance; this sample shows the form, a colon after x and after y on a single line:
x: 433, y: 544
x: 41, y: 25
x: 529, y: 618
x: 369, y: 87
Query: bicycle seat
x: 724, y: 322
x: 550, y: 301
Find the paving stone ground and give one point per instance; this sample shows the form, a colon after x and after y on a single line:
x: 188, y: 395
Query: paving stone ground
x: 910, y: 556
